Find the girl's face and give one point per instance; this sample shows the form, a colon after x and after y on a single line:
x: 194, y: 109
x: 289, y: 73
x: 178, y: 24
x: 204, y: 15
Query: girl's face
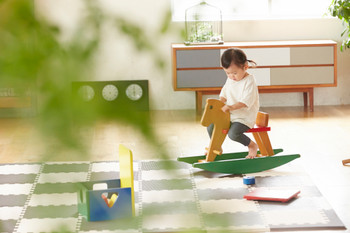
x: 236, y: 73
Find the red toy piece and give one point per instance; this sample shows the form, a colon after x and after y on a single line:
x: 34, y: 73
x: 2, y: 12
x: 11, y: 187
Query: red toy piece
x: 265, y: 194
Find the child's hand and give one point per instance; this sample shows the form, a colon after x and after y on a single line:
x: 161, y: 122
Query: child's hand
x: 225, y: 108
x: 222, y: 99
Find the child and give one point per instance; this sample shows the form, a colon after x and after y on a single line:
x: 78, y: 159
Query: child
x: 241, y: 98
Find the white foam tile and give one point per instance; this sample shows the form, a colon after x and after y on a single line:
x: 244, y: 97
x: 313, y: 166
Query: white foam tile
x: 114, y: 231
x: 15, y: 189
x: 62, y: 177
x: 321, y: 202
x: 229, y: 206
x: 20, y: 169
x: 110, y: 166
x: 167, y: 196
x: 171, y: 221
x: 238, y: 229
x: 105, y: 167
x: 7, y: 213
x: 295, y: 217
x: 137, y: 209
x: 135, y: 166
x: 219, y: 183
x: 48, y: 225
x: 166, y: 174
x: 136, y: 186
x: 68, y: 162
x: 290, y: 169
x: 276, y: 172
x: 54, y: 199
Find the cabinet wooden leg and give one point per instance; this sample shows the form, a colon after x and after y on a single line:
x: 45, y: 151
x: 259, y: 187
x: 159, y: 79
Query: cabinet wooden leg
x: 305, y: 100
x: 311, y: 99
x: 199, y: 96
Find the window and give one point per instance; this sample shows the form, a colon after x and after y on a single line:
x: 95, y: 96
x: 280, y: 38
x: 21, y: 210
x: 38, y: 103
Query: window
x: 258, y: 9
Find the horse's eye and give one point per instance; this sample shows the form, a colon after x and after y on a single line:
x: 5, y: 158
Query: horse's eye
x: 211, y: 107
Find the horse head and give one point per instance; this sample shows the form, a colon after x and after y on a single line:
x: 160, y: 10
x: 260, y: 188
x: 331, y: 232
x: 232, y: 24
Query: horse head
x: 212, y: 112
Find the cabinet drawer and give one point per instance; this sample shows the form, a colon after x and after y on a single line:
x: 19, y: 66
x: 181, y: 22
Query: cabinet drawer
x: 197, y: 58
x: 200, y: 78
x: 312, y: 55
x: 302, y: 75
x: 261, y: 75
x: 318, y: 55
x: 269, y: 56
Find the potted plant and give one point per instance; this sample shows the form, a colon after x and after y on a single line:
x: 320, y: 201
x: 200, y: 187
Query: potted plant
x: 341, y: 9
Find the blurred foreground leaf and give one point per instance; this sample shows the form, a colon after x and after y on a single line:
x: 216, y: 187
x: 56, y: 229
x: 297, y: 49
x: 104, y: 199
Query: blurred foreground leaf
x: 34, y: 55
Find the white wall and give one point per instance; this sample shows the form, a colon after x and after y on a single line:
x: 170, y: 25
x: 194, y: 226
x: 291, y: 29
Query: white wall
x: 118, y: 59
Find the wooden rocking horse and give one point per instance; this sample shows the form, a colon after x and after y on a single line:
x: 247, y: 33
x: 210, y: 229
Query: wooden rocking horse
x: 236, y: 163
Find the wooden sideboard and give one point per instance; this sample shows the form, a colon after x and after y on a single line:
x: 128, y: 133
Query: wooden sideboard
x: 282, y: 66
x: 15, y: 103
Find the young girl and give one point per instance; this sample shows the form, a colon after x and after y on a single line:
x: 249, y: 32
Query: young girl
x: 241, y: 98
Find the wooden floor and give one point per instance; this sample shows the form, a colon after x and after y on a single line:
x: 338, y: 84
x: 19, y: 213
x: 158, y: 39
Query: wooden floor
x: 321, y: 137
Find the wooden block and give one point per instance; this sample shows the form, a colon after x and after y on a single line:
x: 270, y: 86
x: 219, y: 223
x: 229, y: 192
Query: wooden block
x: 105, y: 198
x: 112, y: 200
x: 217, y: 152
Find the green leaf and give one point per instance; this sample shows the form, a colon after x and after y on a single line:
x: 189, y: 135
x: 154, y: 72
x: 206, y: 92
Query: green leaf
x: 166, y: 22
x: 341, y: 10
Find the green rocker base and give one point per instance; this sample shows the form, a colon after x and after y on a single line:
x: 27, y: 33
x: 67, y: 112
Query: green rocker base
x: 236, y: 163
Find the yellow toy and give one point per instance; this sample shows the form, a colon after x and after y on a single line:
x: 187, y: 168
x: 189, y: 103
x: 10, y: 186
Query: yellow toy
x: 127, y: 172
x: 221, y: 120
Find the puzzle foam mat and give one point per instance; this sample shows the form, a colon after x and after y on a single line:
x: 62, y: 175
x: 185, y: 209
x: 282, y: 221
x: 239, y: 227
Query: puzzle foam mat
x: 169, y: 196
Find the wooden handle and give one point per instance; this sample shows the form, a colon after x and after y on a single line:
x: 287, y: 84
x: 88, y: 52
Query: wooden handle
x: 346, y: 161
x: 262, y: 119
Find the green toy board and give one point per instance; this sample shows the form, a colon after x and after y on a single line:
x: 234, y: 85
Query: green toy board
x: 236, y: 163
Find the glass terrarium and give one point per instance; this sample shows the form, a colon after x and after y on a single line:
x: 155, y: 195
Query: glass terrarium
x: 203, y: 24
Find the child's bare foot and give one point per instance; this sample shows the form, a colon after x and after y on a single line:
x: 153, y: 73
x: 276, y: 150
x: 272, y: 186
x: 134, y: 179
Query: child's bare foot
x: 253, y: 149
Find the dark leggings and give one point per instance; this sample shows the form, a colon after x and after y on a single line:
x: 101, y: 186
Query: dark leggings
x: 235, y: 133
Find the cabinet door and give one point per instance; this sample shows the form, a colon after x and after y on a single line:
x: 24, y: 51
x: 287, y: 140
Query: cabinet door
x: 262, y: 76
x: 269, y: 56
x: 302, y: 75
x: 198, y: 58
x: 312, y: 55
x: 200, y: 78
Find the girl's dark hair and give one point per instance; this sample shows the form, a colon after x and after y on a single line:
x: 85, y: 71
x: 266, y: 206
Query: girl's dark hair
x: 235, y: 56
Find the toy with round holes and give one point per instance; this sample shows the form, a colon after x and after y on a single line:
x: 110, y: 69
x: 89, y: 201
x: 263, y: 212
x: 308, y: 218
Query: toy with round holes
x: 236, y: 163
